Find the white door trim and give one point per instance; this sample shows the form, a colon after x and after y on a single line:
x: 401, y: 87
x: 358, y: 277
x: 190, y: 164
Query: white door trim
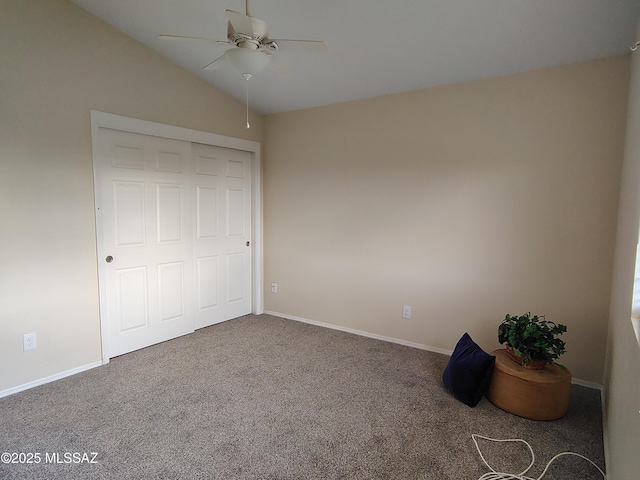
x: 117, y: 122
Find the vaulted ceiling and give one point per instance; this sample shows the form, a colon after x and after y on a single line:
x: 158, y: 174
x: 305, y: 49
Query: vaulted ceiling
x: 378, y: 47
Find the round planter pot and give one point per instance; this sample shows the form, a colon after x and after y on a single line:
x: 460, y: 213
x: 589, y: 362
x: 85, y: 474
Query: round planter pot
x: 533, y: 365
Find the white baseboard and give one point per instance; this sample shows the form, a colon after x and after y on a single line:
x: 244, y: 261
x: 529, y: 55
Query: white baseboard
x: 51, y: 378
x: 406, y: 343
x: 362, y: 333
x: 584, y: 383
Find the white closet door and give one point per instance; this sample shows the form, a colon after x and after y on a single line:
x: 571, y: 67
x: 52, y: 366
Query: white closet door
x: 147, y: 244
x: 222, y: 233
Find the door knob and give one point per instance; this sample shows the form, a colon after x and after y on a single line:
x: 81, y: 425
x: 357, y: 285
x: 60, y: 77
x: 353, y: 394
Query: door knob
x: 109, y: 259
x: 248, y: 243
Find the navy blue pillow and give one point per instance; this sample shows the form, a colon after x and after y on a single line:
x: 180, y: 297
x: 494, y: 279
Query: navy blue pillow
x: 469, y: 371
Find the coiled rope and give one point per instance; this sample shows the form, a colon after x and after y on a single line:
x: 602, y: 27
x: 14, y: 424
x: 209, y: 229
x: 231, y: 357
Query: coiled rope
x: 494, y: 475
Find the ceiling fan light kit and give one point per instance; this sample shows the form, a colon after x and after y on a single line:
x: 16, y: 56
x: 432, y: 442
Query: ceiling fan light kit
x: 246, y: 60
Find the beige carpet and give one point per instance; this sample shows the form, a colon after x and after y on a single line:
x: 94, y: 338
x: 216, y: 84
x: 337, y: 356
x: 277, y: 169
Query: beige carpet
x: 261, y: 397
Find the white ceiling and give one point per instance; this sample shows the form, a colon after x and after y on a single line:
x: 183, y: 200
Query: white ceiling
x: 378, y: 47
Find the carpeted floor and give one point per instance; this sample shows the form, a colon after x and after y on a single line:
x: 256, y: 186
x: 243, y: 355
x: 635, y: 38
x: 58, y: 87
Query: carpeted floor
x: 261, y: 397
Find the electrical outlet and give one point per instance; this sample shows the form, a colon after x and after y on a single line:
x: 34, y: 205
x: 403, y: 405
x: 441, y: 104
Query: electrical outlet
x: 29, y: 341
x: 274, y: 288
x: 406, y: 312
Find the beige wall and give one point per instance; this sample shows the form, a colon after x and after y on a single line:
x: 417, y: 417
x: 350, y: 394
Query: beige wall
x: 466, y: 202
x: 58, y: 62
x: 622, y: 380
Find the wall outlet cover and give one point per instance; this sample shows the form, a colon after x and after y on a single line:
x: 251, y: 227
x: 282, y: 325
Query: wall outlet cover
x: 29, y: 341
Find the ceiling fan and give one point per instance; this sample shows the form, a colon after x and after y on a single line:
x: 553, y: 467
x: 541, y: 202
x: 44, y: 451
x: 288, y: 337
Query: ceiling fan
x: 252, y: 48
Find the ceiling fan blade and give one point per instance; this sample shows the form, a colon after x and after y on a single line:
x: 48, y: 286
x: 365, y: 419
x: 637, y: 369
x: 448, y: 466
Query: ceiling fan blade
x: 240, y: 22
x: 218, y: 62
x: 182, y: 37
x: 312, y: 46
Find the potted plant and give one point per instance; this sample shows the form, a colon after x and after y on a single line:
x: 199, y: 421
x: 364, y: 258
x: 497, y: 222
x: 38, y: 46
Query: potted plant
x: 532, y: 340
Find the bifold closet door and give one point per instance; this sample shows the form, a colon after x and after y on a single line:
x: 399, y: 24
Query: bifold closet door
x: 175, y: 236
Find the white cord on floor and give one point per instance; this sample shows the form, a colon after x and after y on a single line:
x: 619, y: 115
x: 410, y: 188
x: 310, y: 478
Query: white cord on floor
x: 494, y: 475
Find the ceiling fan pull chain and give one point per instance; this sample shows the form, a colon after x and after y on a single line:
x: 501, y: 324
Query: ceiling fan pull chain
x: 247, y: 76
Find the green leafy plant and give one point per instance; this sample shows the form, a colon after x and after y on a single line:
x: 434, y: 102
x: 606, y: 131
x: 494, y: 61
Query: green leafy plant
x: 532, y: 337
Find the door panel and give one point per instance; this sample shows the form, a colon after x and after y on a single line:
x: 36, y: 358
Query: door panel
x: 168, y: 162
x: 235, y: 168
x: 171, y: 291
x: 207, y: 212
x: 206, y: 162
x: 169, y: 213
x: 235, y: 284
x: 222, y: 235
x: 128, y: 213
x: 127, y: 156
x: 146, y: 228
x: 131, y: 298
x: 234, y: 214
x: 207, y: 282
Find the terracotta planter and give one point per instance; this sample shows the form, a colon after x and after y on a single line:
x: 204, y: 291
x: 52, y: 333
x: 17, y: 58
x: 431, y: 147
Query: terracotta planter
x: 534, y: 394
x: 533, y: 365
